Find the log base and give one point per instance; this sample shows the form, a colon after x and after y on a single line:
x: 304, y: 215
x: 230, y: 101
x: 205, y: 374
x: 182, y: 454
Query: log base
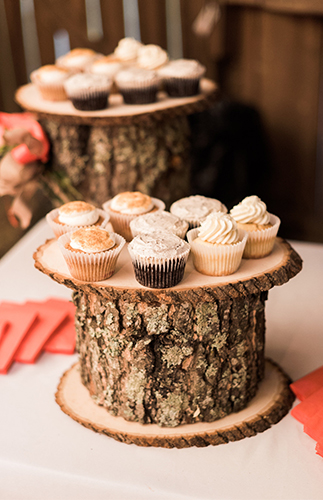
x: 271, y: 403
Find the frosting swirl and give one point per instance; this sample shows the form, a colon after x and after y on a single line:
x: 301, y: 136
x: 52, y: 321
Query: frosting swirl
x: 220, y: 229
x: 151, y: 57
x: 91, y: 240
x: 251, y: 210
x: 78, y: 213
x: 161, y: 245
x: 127, y: 49
x: 132, y: 203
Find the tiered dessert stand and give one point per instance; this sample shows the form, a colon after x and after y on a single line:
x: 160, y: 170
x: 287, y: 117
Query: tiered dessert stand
x: 205, y: 336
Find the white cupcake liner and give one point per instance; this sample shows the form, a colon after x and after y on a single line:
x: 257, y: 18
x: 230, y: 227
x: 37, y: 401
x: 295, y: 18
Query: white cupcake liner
x: 60, y: 229
x: 154, y: 272
x: 52, y: 92
x: 121, y: 222
x: 91, y: 266
x: 260, y: 243
x: 217, y: 260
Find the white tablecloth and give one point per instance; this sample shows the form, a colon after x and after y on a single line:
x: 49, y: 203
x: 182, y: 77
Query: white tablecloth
x: 45, y: 455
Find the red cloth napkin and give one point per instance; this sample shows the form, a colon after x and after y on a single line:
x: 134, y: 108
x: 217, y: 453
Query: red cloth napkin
x: 27, y: 329
x: 20, y: 321
x: 309, y: 390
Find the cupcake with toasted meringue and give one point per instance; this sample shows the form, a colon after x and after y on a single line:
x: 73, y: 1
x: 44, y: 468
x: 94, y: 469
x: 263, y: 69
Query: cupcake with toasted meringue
x: 91, y: 253
x: 49, y: 80
x: 77, y: 60
x: 74, y: 215
x: 125, y: 207
x: 217, y: 245
x: 252, y: 216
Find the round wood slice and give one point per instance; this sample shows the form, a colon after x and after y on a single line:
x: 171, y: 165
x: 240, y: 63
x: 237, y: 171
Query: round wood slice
x: 253, y: 275
x: 117, y: 113
x: 269, y: 406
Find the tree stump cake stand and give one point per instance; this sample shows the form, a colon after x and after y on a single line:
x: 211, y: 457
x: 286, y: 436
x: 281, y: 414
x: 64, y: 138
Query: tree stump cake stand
x: 98, y: 154
x: 188, y: 358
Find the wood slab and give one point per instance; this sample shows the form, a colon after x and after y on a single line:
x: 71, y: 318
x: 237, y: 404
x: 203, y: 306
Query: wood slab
x: 29, y: 98
x: 269, y: 406
x: 253, y: 276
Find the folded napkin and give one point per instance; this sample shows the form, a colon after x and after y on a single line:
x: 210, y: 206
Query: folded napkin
x: 30, y: 328
x: 309, y: 390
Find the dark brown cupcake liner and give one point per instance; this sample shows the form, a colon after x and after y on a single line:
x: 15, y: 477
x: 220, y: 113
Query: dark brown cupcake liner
x: 145, y: 95
x: 160, y: 275
x: 91, y: 102
x: 182, y: 87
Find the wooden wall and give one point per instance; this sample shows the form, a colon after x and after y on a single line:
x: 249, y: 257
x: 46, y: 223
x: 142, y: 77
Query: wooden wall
x: 265, y: 53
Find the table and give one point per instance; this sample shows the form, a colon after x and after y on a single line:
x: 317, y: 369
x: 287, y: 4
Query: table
x: 46, y: 455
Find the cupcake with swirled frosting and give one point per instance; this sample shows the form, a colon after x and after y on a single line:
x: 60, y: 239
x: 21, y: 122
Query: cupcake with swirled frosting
x: 194, y: 209
x: 127, y: 50
x: 160, y: 220
x: 91, y: 253
x: 125, y: 207
x: 158, y: 259
x: 75, y: 215
x: 252, y: 216
x: 151, y: 57
x: 217, y: 245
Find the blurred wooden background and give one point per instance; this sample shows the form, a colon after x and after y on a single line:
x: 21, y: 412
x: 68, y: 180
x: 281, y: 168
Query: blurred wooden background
x: 265, y: 54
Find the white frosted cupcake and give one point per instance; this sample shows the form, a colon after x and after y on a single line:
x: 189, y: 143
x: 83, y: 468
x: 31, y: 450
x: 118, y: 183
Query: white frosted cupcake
x: 76, y: 60
x: 181, y: 77
x: 251, y: 215
x: 88, y: 92
x: 137, y: 85
x: 125, y: 207
x: 127, y: 50
x: 49, y: 80
x: 194, y: 209
x: 217, y: 246
x: 91, y: 253
x: 106, y: 66
x: 155, y: 221
x: 74, y: 215
x: 151, y: 57
x: 158, y: 259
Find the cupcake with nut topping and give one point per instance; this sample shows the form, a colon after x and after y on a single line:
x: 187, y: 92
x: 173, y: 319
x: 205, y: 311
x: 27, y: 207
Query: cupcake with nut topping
x: 181, y: 77
x: 217, y: 245
x: 74, y: 215
x: 137, y: 85
x: 159, y: 259
x: 252, y: 216
x: 125, y: 207
x: 88, y: 92
x: 91, y: 253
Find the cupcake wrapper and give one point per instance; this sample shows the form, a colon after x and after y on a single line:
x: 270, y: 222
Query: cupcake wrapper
x: 260, y: 243
x: 144, y: 95
x: 217, y: 260
x: 159, y: 273
x: 121, y: 222
x: 52, y: 92
x: 60, y: 229
x: 182, y: 87
x: 179, y: 233
x: 91, y: 101
x: 91, y: 267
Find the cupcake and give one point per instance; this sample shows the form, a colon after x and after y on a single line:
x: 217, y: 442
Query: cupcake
x: 127, y: 50
x: 182, y: 77
x: 77, y: 60
x: 251, y: 215
x: 125, y: 207
x: 49, y: 80
x: 158, y: 259
x: 194, y: 209
x: 106, y: 66
x: 151, y: 57
x: 156, y: 221
x: 74, y: 215
x: 91, y: 253
x: 217, y: 245
x: 138, y: 86
x: 88, y: 92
